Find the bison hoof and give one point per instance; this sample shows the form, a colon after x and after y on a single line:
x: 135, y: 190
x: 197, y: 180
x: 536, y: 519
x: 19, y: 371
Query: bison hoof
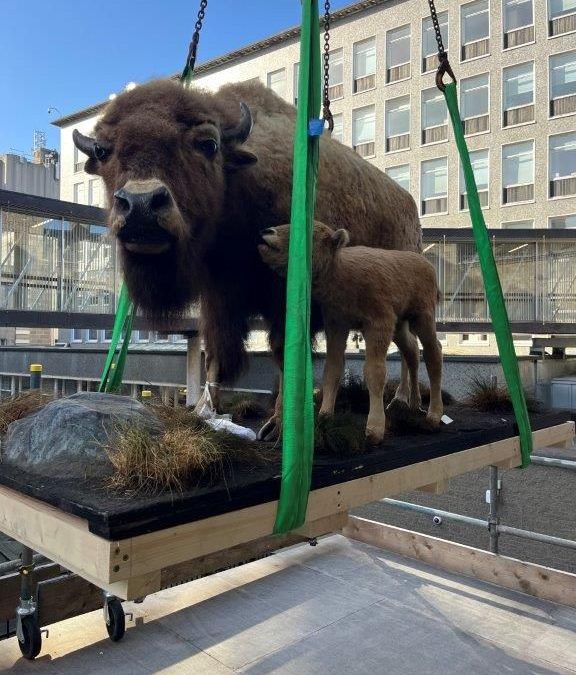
x: 374, y: 436
x: 271, y: 431
x: 434, y: 419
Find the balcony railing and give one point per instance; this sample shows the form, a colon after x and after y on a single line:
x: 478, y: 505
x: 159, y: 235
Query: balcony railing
x: 562, y: 24
x: 400, y: 72
x: 563, y: 105
x: 365, y: 149
x: 400, y: 142
x: 434, y: 205
x: 474, y: 50
x: 364, y: 83
x: 476, y: 125
x: 518, y: 193
x: 520, y: 36
x: 521, y: 115
x: 482, y: 195
x: 435, y: 134
x: 336, y: 91
x: 563, y: 187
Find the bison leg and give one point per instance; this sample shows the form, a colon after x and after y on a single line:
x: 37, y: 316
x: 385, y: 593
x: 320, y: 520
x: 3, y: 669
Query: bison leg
x: 336, y: 338
x: 409, y: 389
x: 377, y: 340
x: 425, y: 329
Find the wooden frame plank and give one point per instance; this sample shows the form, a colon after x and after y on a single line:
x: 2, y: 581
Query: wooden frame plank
x: 132, y: 567
x: 542, y: 582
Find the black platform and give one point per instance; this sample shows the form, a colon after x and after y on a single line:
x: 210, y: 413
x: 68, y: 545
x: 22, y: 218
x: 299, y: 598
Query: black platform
x: 113, y: 515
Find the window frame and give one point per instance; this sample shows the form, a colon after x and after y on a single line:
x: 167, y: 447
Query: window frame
x: 462, y: 181
x: 504, y: 110
x: 399, y: 166
x: 487, y: 114
x: 273, y: 72
x: 549, y: 164
x: 398, y: 65
x: 504, y: 32
x: 363, y: 107
x: 550, y: 98
x: 386, y: 137
x: 549, y: 19
x: 461, y: 34
x: 502, y: 187
x: 420, y: 197
x: 354, y: 78
x: 437, y: 126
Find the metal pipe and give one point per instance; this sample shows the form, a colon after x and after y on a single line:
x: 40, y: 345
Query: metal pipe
x: 553, y: 461
x: 493, y: 519
x: 536, y: 536
x: 14, y: 565
x: 26, y: 569
x: 476, y: 522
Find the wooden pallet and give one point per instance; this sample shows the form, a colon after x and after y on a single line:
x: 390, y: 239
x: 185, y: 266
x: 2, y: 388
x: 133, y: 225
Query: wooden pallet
x: 134, y: 567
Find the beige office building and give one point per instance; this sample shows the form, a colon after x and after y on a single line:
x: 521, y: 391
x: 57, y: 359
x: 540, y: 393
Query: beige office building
x: 515, y: 61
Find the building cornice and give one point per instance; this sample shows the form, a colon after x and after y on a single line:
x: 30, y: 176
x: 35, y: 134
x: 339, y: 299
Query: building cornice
x: 248, y: 50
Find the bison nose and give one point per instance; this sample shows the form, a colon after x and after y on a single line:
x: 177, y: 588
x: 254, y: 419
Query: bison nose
x: 266, y: 233
x: 142, y: 208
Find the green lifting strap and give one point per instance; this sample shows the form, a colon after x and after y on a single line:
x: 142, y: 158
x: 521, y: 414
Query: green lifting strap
x: 298, y: 406
x: 492, y: 284
x: 111, y: 379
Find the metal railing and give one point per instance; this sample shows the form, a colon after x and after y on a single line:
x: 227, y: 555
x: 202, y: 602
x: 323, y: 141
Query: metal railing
x: 57, y: 257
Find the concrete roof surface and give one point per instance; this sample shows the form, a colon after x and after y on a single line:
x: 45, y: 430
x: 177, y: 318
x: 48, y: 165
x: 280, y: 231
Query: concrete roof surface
x: 342, y: 608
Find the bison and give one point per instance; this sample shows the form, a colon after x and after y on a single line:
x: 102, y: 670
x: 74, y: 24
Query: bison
x: 388, y: 295
x: 192, y: 178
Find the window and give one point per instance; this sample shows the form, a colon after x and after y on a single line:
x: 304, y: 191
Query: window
x: 562, y: 84
x: 397, y: 124
x: 77, y: 335
x: 364, y: 65
x: 277, y: 82
x: 79, y: 160
x: 401, y: 174
x: 363, y: 131
x: 518, y: 225
x: 429, y: 44
x: 480, y: 165
x: 518, y: 94
x: 474, y: 338
x: 475, y: 29
x: 434, y: 116
x: 92, y: 335
x: 434, y: 186
x: 518, y: 172
x: 338, y: 131
x: 474, y: 104
x: 107, y: 335
x: 563, y: 222
x: 336, y: 74
x: 140, y: 336
x: 94, y: 192
x: 562, y: 165
x: 79, y: 193
x: 518, y: 23
x: 561, y: 16
x: 398, y: 54
x: 296, y: 81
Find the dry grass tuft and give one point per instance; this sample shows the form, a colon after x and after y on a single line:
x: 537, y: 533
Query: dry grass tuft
x: 487, y: 395
x: 340, y: 435
x: 185, y: 453
x: 353, y: 396
x: 20, y: 406
x: 243, y: 408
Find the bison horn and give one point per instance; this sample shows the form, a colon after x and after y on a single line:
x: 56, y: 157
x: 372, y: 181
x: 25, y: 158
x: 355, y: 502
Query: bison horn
x: 240, y: 132
x: 84, y: 143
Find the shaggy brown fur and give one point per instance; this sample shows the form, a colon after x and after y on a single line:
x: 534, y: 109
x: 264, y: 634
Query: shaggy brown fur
x: 156, y: 134
x: 380, y: 293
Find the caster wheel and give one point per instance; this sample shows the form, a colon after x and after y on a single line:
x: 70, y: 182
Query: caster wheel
x: 31, y: 642
x: 116, y: 621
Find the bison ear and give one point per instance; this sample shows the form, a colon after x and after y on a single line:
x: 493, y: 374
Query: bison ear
x: 341, y: 238
x: 237, y: 158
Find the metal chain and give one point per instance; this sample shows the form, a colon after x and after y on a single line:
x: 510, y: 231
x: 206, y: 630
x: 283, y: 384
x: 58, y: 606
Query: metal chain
x: 326, y: 112
x: 193, y: 48
x: 444, y: 67
x: 436, y: 25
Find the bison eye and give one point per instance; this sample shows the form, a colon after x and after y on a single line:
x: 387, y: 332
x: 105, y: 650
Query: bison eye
x: 100, y: 153
x: 208, y: 146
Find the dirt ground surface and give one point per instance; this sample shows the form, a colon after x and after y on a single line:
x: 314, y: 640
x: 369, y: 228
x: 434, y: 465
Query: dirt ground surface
x: 539, y: 498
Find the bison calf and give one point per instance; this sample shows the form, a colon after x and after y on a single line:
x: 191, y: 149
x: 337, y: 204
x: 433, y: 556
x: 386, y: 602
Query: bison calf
x: 388, y: 295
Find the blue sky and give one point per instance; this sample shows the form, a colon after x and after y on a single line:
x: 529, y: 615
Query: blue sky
x: 71, y: 54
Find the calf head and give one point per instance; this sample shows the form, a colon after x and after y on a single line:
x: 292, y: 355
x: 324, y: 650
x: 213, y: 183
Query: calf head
x: 325, y: 243
x: 165, y: 154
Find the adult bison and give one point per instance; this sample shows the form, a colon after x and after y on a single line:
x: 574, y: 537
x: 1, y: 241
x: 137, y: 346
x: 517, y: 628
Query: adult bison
x: 193, y: 177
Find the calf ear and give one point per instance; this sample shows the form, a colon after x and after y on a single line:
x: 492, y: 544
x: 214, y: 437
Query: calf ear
x: 341, y: 238
x: 237, y: 158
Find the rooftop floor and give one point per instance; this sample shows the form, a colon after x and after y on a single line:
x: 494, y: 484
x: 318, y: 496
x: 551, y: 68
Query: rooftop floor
x: 342, y: 608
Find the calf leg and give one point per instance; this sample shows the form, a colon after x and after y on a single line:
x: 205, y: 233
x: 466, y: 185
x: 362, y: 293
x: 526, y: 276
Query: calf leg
x: 272, y: 429
x: 377, y: 340
x: 409, y: 388
x: 336, y: 338
x: 425, y: 329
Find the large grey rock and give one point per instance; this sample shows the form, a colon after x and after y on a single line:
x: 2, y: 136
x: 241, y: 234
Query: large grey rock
x: 66, y: 438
